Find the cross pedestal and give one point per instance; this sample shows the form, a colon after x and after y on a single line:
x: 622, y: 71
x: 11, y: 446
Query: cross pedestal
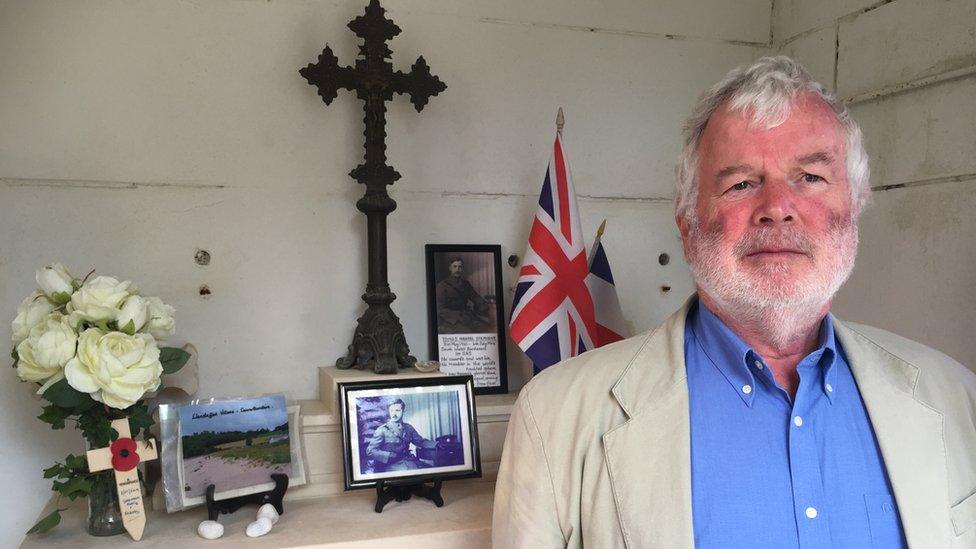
x: 123, y: 456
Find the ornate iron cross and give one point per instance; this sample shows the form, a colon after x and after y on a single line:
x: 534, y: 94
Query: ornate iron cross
x: 378, y: 342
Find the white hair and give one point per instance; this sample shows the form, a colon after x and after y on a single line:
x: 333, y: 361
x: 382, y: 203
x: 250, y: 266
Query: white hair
x: 765, y: 89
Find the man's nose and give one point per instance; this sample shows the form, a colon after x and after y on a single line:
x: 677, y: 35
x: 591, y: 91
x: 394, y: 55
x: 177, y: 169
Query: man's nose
x: 776, y: 203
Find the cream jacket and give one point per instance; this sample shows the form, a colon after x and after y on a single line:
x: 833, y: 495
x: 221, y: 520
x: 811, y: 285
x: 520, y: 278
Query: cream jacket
x: 597, y: 452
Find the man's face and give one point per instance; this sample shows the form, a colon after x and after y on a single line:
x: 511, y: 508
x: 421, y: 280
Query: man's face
x: 396, y: 411
x: 457, y: 268
x: 775, y: 222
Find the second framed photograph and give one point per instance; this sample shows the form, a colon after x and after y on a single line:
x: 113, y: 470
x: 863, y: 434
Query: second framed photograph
x: 409, y: 429
x: 465, y: 313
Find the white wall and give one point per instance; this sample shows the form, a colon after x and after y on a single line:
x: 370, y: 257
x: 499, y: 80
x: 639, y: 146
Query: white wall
x: 133, y: 133
x: 908, y: 70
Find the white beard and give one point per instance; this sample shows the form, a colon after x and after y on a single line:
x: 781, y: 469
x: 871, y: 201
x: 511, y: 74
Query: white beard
x: 769, y: 299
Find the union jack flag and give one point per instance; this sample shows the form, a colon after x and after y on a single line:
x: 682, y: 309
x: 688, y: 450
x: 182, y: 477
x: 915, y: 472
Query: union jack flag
x: 553, y: 313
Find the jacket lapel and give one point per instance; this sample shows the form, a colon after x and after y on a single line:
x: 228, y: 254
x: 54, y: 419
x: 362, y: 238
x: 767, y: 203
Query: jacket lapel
x: 910, y: 435
x: 649, y: 456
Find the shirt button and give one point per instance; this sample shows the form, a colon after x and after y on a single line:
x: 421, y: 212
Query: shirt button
x: 830, y: 388
x: 798, y: 421
x: 811, y: 512
x: 747, y: 389
x: 759, y: 365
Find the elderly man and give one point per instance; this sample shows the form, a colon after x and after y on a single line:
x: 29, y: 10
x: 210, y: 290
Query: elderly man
x: 752, y: 417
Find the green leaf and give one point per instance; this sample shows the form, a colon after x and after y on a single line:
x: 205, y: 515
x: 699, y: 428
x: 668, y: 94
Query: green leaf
x: 139, y: 419
x: 96, y: 428
x: 84, y: 406
x: 64, y: 395
x: 172, y: 358
x: 73, y: 488
x: 47, y: 523
x: 60, y: 298
x: 53, y: 470
x: 103, y: 325
x: 76, y: 463
x: 54, y: 415
x: 129, y: 328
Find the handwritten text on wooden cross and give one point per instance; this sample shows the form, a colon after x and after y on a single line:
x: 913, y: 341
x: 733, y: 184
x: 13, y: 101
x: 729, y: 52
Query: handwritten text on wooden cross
x: 123, y: 456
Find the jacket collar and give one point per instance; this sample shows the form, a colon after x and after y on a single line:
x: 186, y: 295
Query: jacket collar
x: 910, y: 435
x: 649, y: 457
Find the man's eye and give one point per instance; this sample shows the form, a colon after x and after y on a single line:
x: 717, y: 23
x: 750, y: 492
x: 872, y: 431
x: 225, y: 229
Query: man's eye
x: 740, y: 186
x: 810, y: 178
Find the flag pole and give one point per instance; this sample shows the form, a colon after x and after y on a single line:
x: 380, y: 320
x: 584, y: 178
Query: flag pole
x: 560, y: 121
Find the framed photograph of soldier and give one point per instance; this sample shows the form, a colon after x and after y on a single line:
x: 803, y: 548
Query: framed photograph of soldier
x: 420, y: 428
x: 465, y: 313
x: 234, y: 444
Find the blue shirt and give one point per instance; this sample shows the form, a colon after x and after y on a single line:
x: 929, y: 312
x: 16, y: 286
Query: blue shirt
x: 770, y: 472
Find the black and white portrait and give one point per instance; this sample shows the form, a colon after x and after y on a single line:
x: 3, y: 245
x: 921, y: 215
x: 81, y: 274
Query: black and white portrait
x: 466, y: 319
x: 396, y: 432
x: 464, y: 294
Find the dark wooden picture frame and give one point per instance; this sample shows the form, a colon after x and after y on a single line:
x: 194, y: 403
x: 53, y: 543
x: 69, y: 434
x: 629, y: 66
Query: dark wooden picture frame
x: 436, y: 457
x: 469, y: 309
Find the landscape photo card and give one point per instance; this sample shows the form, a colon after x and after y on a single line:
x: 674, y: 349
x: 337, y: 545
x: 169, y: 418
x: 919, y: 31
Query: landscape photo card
x: 236, y: 445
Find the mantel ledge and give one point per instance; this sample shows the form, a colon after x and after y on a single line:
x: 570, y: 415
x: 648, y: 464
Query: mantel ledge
x: 344, y: 521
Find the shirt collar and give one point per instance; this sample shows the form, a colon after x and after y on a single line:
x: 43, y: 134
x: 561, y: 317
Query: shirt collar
x: 736, y: 360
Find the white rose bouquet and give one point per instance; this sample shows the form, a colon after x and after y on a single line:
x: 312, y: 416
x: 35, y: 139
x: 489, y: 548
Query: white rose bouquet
x: 93, y: 349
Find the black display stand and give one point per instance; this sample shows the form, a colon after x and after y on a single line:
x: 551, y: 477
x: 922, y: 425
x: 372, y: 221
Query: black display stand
x: 226, y: 506
x: 401, y: 491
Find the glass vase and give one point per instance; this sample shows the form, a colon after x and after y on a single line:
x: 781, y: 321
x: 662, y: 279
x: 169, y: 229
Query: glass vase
x: 104, y: 516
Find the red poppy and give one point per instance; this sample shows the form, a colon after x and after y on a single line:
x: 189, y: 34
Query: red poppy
x: 124, y: 456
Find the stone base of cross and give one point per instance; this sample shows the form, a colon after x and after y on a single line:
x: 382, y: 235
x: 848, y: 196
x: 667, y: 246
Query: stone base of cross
x: 123, y: 456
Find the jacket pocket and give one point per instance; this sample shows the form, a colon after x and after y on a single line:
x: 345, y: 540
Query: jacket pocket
x: 883, y: 521
x: 964, y: 515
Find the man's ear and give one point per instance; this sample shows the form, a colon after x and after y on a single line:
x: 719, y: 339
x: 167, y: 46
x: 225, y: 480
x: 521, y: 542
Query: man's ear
x: 682, y: 224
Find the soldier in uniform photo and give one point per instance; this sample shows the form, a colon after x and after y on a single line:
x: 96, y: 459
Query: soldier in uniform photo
x: 460, y: 310
x: 389, y: 447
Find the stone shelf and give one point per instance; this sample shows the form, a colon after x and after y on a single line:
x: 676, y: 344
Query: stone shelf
x: 335, y: 522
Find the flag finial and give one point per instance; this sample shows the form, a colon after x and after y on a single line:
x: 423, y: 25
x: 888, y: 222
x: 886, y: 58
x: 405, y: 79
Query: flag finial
x: 599, y: 232
x: 560, y: 121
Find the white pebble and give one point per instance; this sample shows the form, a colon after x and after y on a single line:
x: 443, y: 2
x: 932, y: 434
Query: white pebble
x: 268, y: 510
x: 258, y: 528
x: 210, y: 529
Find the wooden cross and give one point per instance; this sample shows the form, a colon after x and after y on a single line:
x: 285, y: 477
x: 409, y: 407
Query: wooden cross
x: 123, y: 456
x: 378, y: 342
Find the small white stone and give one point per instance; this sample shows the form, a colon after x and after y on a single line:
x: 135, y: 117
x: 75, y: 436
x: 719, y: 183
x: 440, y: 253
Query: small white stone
x: 210, y: 529
x: 258, y: 528
x: 268, y: 510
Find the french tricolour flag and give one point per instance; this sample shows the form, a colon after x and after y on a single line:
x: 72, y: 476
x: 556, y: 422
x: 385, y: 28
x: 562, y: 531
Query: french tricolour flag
x: 610, y: 322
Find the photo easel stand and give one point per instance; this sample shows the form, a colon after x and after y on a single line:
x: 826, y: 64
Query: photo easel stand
x: 226, y: 506
x: 401, y: 491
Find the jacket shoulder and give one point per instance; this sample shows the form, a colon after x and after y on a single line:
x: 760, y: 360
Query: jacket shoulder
x: 594, y: 371
x: 940, y: 376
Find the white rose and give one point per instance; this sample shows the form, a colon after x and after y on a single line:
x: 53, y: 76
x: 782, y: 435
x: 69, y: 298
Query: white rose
x: 100, y: 298
x: 115, y: 368
x: 134, y: 310
x: 30, y: 313
x: 161, y: 323
x: 56, y: 282
x: 50, y: 345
